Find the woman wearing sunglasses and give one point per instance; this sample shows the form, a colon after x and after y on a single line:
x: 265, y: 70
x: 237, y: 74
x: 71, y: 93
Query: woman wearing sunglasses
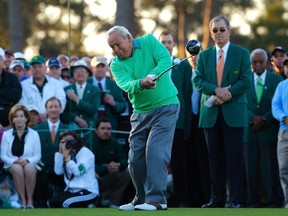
x: 77, y: 163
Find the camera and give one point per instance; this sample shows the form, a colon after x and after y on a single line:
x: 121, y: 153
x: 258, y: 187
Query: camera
x: 70, y: 144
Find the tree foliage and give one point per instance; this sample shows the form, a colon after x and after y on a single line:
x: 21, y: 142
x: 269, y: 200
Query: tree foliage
x: 46, y: 26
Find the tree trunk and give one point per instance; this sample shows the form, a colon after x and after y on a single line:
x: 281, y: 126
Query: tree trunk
x: 125, y: 16
x: 15, y: 25
x: 181, y: 32
x: 207, y: 17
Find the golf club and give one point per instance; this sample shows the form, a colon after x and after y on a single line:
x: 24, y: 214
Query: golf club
x: 193, y: 47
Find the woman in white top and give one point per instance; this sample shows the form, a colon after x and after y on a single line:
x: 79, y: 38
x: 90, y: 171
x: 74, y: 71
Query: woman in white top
x: 20, y: 152
x: 77, y: 163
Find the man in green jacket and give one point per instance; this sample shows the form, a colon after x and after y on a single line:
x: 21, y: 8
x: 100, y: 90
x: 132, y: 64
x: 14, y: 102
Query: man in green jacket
x: 83, y: 98
x: 224, y: 119
x: 49, y: 132
x: 137, y: 62
x: 261, y: 135
x: 112, y: 102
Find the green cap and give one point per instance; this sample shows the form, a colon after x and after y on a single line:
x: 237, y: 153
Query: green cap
x: 38, y: 59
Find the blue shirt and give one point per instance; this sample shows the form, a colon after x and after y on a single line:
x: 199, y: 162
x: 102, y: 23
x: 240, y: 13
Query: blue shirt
x: 280, y: 103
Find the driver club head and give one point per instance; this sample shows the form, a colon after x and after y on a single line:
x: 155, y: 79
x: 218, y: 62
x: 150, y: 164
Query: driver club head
x: 193, y: 47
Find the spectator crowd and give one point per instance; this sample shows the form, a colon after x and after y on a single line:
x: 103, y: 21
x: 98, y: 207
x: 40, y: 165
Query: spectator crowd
x: 47, y: 104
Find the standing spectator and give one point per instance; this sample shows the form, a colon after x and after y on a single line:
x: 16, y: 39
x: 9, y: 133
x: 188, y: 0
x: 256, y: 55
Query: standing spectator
x: 181, y: 77
x: 280, y: 112
x: 77, y: 164
x: 278, y: 57
x: 19, y: 56
x: 82, y: 98
x: 261, y: 135
x: 40, y: 87
x: 112, y: 102
x: 286, y: 68
x: 55, y: 71
x: 9, y: 57
x: 64, y: 60
x: 49, y: 132
x: 224, y: 121
x: 156, y: 107
x: 88, y: 61
x: 111, y: 164
x: 21, y: 152
x: 198, y: 171
x: 65, y: 75
x: 10, y: 91
x: 17, y: 68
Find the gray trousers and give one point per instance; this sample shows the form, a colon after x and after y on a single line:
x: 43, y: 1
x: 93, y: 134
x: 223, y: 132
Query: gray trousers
x: 282, y: 153
x: 151, y: 140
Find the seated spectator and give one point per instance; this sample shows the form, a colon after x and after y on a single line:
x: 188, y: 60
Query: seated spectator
x: 111, y: 164
x: 34, y: 116
x: 76, y: 163
x: 55, y: 71
x: 21, y: 152
x: 40, y: 87
x: 82, y: 98
x: 10, y: 91
x: 17, y: 68
x: 49, y: 131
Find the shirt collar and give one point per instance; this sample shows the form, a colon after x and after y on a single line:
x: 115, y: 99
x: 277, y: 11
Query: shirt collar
x: 136, y: 45
x: 224, y: 48
x: 51, y: 123
x: 78, y: 86
x: 263, y: 76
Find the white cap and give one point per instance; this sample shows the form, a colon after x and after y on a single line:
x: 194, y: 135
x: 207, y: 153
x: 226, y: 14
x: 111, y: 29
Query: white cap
x: 15, y: 63
x: 33, y: 108
x: 98, y: 60
x: 2, y: 53
x: 19, y: 55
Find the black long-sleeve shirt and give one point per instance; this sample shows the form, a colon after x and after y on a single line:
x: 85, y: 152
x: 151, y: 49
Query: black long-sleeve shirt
x: 10, y: 94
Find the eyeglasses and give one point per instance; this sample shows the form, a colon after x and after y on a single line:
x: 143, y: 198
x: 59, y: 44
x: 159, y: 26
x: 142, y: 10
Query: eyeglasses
x: 215, y: 30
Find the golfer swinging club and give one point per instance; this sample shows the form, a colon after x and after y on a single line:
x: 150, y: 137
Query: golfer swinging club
x: 156, y: 107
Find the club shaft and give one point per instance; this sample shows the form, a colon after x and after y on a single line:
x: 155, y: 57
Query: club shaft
x: 158, y: 76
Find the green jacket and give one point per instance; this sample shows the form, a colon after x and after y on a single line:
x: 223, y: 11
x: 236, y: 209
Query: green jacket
x: 237, y: 72
x: 149, y: 57
x: 87, y: 107
x: 181, y: 77
x: 47, y: 148
x: 112, y: 112
x: 268, y: 134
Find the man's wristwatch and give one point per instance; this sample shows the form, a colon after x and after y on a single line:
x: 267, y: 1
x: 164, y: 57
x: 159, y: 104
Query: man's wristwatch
x: 283, y: 119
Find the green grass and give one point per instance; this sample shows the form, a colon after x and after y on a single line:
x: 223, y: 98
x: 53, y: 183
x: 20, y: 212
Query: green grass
x: 170, y: 212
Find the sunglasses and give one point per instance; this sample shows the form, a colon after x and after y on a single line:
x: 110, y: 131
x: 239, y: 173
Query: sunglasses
x: 280, y: 55
x: 215, y: 30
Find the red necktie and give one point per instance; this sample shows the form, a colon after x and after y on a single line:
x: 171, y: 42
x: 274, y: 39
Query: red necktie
x: 53, y: 134
x: 220, y: 67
